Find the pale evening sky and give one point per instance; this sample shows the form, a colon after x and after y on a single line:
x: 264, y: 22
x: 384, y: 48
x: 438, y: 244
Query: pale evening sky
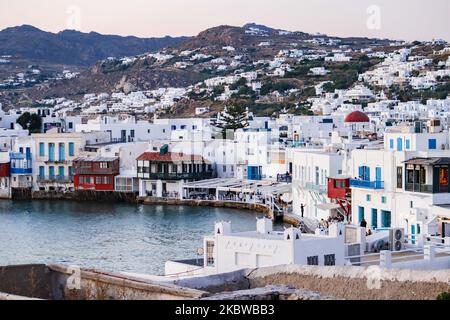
x: 395, y: 19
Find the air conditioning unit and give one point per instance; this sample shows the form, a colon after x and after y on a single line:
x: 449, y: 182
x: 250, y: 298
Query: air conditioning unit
x: 396, y: 239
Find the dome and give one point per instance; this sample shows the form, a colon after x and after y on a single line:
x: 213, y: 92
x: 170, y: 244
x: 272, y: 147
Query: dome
x: 356, y: 116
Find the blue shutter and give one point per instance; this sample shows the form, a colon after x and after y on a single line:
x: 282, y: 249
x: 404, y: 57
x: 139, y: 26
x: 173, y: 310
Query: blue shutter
x: 432, y: 144
x: 367, y: 174
x: 61, y: 172
x: 399, y: 144
x: 378, y: 176
x: 41, y: 172
x: 41, y: 149
x: 374, y: 219
x: 408, y: 144
x: 71, y: 149
x: 51, y: 152
x: 360, y: 214
x: 51, y: 172
x: 391, y: 144
x: 361, y: 172
x: 62, y: 152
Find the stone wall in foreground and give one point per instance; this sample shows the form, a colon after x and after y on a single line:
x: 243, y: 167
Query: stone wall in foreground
x: 356, y: 283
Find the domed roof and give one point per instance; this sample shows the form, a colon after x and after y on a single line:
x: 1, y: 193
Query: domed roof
x: 356, y: 116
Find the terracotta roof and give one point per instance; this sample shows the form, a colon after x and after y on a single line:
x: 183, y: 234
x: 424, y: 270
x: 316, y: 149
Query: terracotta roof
x: 170, y: 157
x: 356, y: 116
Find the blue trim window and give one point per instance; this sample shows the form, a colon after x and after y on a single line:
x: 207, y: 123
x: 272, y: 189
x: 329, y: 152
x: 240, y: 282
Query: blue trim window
x: 62, y: 152
x: 41, y: 172
x: 374, y: 219
x: 408, y: 144
x: 71, y: 149
x: 432, y: 145
x: 391, y: 144
x: 383, y: 199
x: 360, y: 214
x: 51, y: 172
x: 61, y: 172
x: 368, y: 197
x: 399, y: 144
x: 385, y: 219
x: 41, y: 149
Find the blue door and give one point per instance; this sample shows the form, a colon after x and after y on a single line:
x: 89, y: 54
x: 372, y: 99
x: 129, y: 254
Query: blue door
x: 51, y: 152
x: 385, y: 219
x: 62, y: 152
x: 360, y: 214
x: 374, y: 219
x: 61, y: 172
x: 41, y: 172
x: 399, y: 144
x: 378, y: 176
x: 51, y: 172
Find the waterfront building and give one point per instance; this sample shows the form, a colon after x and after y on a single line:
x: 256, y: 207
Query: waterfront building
x: 95, y: 173
x: 163, y: 173
x: 55, y: 154
x: 5, y: 183
x: 406, y: 183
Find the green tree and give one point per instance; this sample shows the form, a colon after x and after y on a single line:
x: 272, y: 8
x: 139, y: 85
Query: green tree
x: 32, y: 122
x: 233, y: 118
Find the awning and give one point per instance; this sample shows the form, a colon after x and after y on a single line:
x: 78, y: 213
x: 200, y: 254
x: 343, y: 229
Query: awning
x: 428, y: 161
x: 327, y: 206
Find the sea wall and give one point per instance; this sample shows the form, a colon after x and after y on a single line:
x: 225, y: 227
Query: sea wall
x: 85, y: 195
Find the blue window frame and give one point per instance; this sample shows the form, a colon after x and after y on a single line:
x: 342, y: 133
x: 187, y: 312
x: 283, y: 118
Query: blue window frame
x: 364, y: 173
x: 71, y: 149
x: 61, y: 172
x: 41, y: 172
x: 374, y: 219
x: 71, y: 172
x: 41, y: 149
x: 368, y: 197
x: 391, y: 144
x: 62, y: 152
x: 51, y: 172
x: 385, y: 219
x: 399, y: 144
x: 51, y: 152
x: 432, y: 144
x: 408, y: 144
x: 378, y: 175
x: 383, y: 199
x: 360, y: 214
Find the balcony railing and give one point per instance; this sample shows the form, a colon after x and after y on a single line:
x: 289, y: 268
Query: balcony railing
x: 21, y: 170
x: 416, y: 187
x: 316, y: 187
x: 284, y: 178
x: 54, y: 179
x: 20, y: 156
x: 94, y: 171
x: 365, y: 184
x: 177, y: 176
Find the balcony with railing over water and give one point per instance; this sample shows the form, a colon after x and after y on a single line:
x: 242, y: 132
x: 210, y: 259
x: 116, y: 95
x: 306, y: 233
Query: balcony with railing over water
x: 366, y: 184
x: 54, y: 179
x: 21, y: 163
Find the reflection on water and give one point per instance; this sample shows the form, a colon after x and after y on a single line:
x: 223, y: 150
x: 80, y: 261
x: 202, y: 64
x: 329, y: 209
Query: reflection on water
x: 109, y: 236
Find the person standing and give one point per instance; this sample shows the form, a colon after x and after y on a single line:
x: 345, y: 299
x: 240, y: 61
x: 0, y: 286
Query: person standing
x: 302, y: 209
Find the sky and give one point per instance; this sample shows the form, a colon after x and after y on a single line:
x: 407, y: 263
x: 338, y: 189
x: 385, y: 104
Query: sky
x: 393, y: 19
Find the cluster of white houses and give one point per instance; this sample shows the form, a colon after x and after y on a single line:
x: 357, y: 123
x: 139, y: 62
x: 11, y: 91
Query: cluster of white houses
x: 333, y: 168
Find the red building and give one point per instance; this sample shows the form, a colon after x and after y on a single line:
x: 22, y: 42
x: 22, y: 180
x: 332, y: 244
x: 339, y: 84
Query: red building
x: 339, y: 192
x: 95, y: 173
x: 4, y: 170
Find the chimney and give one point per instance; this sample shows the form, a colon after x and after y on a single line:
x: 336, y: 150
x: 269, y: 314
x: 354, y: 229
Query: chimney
x: 264, y: 226
x: 222, y: 228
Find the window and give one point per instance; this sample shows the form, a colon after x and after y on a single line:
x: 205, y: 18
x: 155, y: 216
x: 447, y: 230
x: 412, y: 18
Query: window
x: 210, y: 253
x: 399, y: 144
x: 432, y: 144
x: 132, y: 133
x: 71, y: 149
x: 70, y: 125
x: 313, y: 261
x: 383, y: 199
x: 173, y: 128
x: 70, y: 171
x: 41, y: 149
x: 224, y: 169
x: 360, y: 214
x: 411, y: 204
x: 408, y: 144
x: 368, y: 197
x: 385, y: 219
x: 374, y: 219
x: 399, y: 177
x: 391, y: 144
x: 443, y: 176
x: 41, y: 172
x: 103, y: 165
x: 329, y: 259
